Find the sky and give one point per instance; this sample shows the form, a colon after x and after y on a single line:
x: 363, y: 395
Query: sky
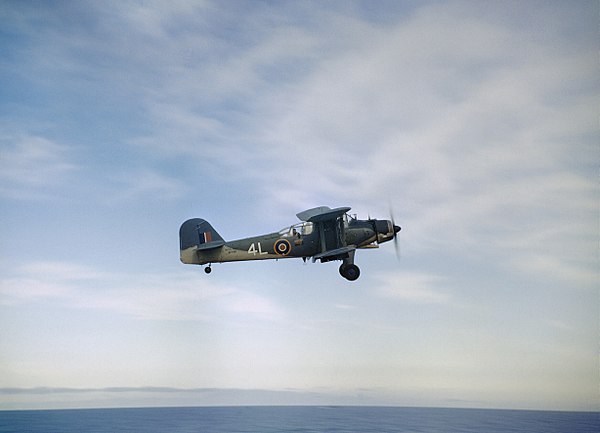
x: 475, y: 123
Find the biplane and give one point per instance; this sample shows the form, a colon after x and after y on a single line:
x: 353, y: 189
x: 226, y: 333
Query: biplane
x: 323, y: 234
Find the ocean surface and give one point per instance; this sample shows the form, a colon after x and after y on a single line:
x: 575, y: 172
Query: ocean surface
x: 296, y: 419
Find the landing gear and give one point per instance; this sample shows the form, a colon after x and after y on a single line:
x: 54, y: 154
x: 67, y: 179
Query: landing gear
x: 208, y: 269
x: 350, y: 271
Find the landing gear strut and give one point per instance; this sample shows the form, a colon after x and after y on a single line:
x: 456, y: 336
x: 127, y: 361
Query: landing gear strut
x: 349, y: 271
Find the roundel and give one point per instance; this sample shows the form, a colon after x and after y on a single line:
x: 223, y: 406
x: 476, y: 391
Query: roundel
x: 282, y: 247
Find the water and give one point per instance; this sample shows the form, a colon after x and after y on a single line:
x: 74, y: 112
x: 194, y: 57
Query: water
x: 298, y: 419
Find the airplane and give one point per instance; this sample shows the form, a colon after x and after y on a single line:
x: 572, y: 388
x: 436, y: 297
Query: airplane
x: 323, y: 234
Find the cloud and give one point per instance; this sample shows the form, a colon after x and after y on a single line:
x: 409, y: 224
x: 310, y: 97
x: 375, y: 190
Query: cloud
x: 576, y: 275
x: 43, y: 280
x: 145, y: 184
x: 414, y: 288
x: 469, y: 130
x: 395, y: 116
x: 149, y: 296
x: 254, y: 305
x: 468, y: 95
x: 59, y: 271
x: 345, y: 306
x: 428, y: 119
x: 149, y: 396
x: 31, y: 166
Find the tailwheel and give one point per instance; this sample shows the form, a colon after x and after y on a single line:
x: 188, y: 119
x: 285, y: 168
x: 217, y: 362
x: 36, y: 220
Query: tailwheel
x: 350, y: 272
x: 208, y: 269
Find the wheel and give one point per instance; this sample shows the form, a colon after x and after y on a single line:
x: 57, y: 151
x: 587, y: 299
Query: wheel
x: 350, y: 272
x: 208, y: 269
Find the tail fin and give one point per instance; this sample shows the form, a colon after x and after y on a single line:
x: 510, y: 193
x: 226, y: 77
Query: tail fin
x: 198, y: 234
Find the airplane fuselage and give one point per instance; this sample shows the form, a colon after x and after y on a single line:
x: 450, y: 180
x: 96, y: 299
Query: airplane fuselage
x: 280, y: 246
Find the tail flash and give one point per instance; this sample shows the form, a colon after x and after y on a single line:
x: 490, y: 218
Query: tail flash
x: 205, y: 237
x: 197, y: 234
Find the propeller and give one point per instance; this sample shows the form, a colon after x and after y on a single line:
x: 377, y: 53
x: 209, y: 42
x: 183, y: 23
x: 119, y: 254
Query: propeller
x: 382, y: 227
x: 396, y: 230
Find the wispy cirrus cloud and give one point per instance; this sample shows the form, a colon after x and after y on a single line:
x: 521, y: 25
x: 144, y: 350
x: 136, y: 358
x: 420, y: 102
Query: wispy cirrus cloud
x: 413, y: 288
x: 144, y: 184
x: 464, y: 129
x: 170, y: 297
x: 31, y: 166
x: 576, y: 273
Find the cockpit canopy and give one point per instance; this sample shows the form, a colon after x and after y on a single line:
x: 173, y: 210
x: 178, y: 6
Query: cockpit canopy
x: 300, y: 229
x: 306, y: 228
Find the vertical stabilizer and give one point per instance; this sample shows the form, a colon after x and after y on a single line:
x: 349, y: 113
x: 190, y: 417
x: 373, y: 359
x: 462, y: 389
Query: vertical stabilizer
x: 194, y: 235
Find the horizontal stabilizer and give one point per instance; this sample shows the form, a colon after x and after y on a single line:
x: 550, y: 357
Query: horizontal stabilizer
x: 210, y: 245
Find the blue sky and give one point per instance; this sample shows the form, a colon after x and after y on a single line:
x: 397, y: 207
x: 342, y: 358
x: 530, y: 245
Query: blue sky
x: 477, y: 122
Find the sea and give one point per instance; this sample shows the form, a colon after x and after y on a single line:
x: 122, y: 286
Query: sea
x: 297, y: 419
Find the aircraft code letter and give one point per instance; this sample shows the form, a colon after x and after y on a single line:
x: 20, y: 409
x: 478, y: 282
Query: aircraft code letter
x: 252, y: 250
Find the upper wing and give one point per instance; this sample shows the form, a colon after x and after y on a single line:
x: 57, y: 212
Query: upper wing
x: 321, y: 213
